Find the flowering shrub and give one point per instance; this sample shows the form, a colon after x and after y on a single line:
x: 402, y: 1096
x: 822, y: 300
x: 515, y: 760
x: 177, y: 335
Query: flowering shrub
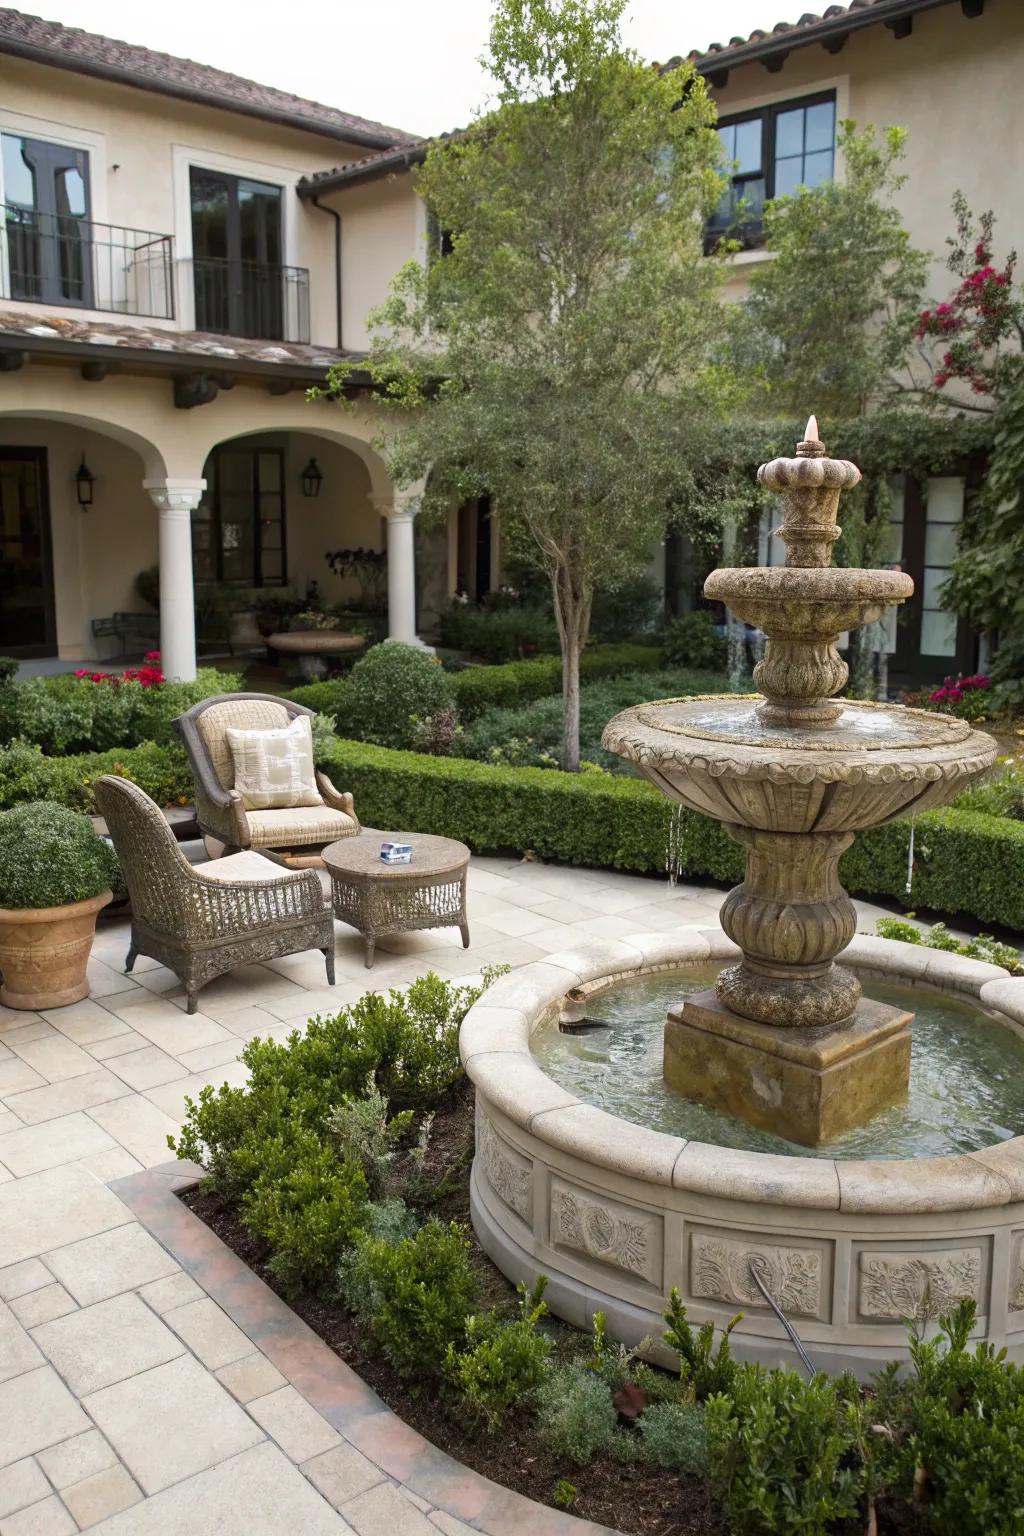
x: 982, y: 313
x: 969, y: 698
x: 149, y: 676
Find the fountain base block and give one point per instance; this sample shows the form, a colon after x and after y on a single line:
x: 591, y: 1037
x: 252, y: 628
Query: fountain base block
x: 808, y: 1085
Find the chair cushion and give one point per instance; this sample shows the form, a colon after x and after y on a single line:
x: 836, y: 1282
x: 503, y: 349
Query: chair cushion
x: 247, y: 865
x: 244, y: 713
x: 275, y: 768
x: 298, y: 828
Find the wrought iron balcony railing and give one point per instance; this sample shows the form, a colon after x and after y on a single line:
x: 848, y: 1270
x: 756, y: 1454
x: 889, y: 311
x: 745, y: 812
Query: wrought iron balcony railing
x: 246, y: 298
x: 55, y: 258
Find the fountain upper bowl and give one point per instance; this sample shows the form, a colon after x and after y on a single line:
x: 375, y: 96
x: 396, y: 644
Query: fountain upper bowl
x: 806, y: 602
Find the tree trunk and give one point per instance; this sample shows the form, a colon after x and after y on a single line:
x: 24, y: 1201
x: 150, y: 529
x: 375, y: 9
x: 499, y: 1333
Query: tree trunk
x: 572, y: 615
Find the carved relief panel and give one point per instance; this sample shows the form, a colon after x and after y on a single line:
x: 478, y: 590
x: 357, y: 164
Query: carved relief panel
x: 508, y: 1172
x: 797, y: 1275
x: 892, y: 1287
x: 620, y: 1235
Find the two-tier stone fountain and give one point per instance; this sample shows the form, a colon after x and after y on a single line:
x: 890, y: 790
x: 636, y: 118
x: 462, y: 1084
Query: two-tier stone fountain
x: 785, y: 1040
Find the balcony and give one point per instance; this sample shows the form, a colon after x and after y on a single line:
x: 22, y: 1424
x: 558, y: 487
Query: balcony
x: 48, y: 258
x: 257, y: 300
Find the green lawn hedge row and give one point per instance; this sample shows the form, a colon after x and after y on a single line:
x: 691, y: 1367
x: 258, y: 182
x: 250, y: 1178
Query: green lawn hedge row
x: 26, y: 774
x: 965, y: 862
x: 513, y: 682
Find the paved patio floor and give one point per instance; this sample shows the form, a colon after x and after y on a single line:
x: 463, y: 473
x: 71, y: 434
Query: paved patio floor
x: 130, y: 1404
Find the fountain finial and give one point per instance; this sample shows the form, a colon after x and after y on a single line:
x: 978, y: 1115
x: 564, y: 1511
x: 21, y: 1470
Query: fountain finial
x: 811, y: 446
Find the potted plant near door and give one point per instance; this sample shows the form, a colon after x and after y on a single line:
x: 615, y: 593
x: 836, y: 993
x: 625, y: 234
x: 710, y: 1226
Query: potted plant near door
x: 55, y: 876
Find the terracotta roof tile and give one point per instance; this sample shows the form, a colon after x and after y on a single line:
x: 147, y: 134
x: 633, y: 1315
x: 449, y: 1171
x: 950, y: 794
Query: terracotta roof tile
x: 90, y: 53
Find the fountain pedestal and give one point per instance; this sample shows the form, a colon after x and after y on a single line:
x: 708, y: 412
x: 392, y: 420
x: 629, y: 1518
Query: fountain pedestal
x: 805, y: 1084
x: 785, y: 1040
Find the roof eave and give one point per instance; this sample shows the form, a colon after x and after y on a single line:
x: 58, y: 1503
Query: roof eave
x: 64, y: 349
x: 835, y: 27
x: 100, y: 71
x: 353, y: 175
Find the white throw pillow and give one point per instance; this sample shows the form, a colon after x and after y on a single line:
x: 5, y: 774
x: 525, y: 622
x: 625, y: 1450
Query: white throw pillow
x: 274, y: 769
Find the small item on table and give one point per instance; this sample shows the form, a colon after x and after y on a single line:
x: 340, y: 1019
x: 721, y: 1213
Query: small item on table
x: 396, y: 853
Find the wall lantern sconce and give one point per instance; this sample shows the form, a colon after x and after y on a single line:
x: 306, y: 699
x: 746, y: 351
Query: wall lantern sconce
x: 84, y: 482
x: 312, y: 479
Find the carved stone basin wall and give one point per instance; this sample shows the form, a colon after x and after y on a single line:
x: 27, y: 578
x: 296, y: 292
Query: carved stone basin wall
x: 615, y: 1213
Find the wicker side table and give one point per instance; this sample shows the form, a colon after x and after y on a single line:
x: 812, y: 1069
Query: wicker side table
x: 378, y: 898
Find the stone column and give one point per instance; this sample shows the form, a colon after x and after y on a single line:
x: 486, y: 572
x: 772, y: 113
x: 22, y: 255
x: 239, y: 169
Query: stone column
x: 175, y: 500
x: 400, y: 511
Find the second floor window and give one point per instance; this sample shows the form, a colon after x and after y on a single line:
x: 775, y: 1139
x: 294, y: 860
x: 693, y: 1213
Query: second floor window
x: 46, y: 214
x: 236, y: 255
x: 772, y: 152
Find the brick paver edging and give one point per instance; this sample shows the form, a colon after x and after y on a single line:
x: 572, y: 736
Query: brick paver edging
x: 321, y: 1377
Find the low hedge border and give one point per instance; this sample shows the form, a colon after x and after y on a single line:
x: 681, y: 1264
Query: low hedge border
x: 497, y: 687
x: 965, y: 861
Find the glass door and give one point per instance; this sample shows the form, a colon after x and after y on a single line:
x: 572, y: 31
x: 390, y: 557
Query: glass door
x: 236, y: 253
x: 46, y: 215
x: 238, y: 530
x: 27, y: 625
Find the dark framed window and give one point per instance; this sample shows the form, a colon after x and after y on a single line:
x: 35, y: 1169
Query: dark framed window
x: 236, y: 255
x: 238, y: 529
x: 47, y: 216
x: 772, y: 152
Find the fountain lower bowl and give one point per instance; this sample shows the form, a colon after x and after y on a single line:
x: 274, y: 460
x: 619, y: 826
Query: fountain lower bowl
x: 615, y: 1213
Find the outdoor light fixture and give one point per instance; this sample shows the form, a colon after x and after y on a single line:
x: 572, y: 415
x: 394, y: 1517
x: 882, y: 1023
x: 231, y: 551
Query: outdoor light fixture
x: 312, y: 479
x: 84, y: 482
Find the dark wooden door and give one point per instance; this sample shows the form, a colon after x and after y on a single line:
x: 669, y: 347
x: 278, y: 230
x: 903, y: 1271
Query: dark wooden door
x: 27, y: 625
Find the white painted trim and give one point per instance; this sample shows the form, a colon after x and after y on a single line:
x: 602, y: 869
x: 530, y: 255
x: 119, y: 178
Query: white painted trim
x: 53, y: 132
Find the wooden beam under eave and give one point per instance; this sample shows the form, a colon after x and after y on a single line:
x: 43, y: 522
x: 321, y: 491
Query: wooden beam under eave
x: 836, y: 44
x: 11, y: 362
x: 901, y: 27
x: 194, y: 389
x: 972, y: 9
x: 719, y: 79
x: 279, y: 387
x: 774, y: 64
x: 94, y: 372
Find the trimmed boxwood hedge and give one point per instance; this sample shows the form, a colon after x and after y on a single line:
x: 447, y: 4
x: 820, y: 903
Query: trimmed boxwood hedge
x: 511, y: 683
x: 965, y: 861
x: 26, y: 774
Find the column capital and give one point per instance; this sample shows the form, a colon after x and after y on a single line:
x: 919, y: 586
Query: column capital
x: 175, y: 495
x: 401, y: 504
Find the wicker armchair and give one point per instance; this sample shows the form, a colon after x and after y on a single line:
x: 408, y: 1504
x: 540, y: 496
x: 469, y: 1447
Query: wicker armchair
x: 219, y: 806
x: 205, y: 921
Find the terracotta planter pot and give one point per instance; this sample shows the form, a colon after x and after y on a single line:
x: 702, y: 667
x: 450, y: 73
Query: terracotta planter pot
x: 44, y: 953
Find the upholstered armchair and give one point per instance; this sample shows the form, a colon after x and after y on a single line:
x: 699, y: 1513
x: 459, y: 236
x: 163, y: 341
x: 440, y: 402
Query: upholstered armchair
x: 219, y: 806
x: 201, y: 921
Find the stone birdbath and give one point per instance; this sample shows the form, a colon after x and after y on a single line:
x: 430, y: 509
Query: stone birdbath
x: 785, y: 1040
x: 312, y: 648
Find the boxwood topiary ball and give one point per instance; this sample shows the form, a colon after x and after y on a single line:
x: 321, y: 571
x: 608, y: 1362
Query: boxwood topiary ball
x: 50, y: 856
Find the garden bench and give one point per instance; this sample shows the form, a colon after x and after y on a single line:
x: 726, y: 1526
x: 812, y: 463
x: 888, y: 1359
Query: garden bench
x: 131, y: 630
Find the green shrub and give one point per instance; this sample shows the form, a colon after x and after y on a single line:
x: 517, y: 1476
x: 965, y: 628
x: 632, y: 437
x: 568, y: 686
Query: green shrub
x: 576, y: 1415
x: 958, y: 1419
x: 531, y: 735
x: 72, y: 714
x: 390, y: 1220
x: 500, y: 1364
x: 984, y: 947
x: 392, y: 686
x: 565, y: 1494
x: 308, y: 1204
x: 364, y: 1130
x: 691, y: 641
x: 26, y: 774
x: 966, y: 862
x: 635, y: 607
x: 333, y: 699
x: 786, y: 1455
x: 998, y: 794
x: 520, y: 682
x: 674, y: 1435
x: 8, y: 668
x: 420, y: 1292
x: 705, y: 1366
x: 50, y: 856
x: 497, y: 632
x: 407, y: 1043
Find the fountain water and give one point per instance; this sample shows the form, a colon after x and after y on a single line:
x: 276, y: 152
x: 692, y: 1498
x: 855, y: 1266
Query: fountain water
x: 785, y: 1040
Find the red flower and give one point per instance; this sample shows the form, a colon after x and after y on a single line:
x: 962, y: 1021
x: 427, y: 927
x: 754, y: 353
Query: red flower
x: 152, y: 655
x: 941, y: 378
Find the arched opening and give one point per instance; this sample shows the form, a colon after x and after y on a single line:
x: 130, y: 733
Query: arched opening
x: 289, y: 519
x: 76, y: 529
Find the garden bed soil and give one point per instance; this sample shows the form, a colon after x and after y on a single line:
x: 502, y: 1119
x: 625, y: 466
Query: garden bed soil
x: 638, y: 1500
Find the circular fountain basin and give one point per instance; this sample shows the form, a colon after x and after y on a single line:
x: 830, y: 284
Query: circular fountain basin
x: 616, y: 1212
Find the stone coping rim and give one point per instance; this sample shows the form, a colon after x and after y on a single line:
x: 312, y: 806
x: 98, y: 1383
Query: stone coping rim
x: 505, y: 1072
x: 321, y: 1377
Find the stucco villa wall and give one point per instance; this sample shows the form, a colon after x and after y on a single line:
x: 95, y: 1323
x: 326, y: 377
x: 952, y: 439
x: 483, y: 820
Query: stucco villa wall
x: 341, y: 517
x: 140, y: 147
x: 383, y: 225
x: 954, y: 84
